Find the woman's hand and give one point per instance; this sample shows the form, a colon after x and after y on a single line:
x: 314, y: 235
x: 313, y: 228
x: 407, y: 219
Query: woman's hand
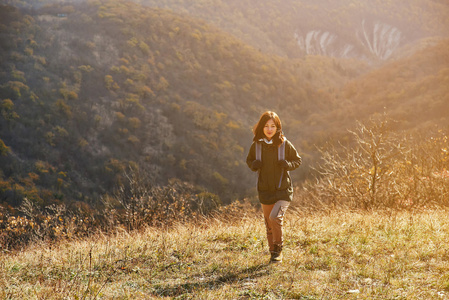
x: 256, y: 165
x: 284, y: 164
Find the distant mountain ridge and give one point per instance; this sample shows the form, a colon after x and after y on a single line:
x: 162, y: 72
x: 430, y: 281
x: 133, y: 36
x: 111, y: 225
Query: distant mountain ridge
x: 368, y: 30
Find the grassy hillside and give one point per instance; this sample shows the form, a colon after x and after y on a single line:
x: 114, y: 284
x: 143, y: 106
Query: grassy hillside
x: 330, y: 255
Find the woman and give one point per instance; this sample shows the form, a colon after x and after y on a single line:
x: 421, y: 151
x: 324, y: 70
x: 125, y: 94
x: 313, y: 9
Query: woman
x: 272, y: 155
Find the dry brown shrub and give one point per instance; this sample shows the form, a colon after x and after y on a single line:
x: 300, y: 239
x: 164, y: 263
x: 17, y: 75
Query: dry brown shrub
x: 382, y: 169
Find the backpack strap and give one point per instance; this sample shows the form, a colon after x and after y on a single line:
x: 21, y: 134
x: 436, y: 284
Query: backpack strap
x: 281, y: 151
x: 258, y: 151
x: 281, y: 156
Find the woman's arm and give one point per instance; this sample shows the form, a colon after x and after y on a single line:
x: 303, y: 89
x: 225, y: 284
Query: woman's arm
x: 293, y: 160
x: 250, y: 159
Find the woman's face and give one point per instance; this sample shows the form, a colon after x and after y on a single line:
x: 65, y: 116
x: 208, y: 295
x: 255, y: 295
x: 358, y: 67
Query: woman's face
x: 269, y: 129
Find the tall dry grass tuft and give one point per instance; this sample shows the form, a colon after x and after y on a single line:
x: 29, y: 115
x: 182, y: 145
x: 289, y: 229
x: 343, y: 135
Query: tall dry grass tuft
x: 328, y: 255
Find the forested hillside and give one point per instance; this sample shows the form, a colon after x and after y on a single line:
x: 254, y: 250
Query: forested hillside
x: 89, y: 89
x: 414, y: 90
x: 172, y: 88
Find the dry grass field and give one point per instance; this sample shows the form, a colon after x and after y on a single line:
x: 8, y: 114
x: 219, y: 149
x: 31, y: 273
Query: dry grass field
x: 332, y: 255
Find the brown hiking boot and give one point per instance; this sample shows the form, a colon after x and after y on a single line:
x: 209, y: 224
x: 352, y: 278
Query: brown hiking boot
x: 276, y: 255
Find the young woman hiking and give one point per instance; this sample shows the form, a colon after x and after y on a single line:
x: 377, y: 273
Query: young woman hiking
x: 272, y: 156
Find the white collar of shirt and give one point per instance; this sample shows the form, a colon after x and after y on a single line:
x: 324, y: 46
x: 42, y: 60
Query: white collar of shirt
x: 266, y: 141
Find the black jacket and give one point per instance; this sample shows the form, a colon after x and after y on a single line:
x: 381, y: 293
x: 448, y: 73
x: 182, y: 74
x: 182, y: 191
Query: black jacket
x: 270, y: 172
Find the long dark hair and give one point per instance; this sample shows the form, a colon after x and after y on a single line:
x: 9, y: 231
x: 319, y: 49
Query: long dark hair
x: 278, y: 138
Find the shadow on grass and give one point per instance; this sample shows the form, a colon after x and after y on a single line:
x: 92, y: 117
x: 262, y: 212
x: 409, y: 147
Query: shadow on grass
x: 203, y: 284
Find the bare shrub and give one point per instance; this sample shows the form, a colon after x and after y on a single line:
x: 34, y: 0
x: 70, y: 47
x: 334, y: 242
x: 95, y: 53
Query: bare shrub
x: 51, y: 223
x: 136, y: 202
x: 426, y: 170
x: 382, y: 168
